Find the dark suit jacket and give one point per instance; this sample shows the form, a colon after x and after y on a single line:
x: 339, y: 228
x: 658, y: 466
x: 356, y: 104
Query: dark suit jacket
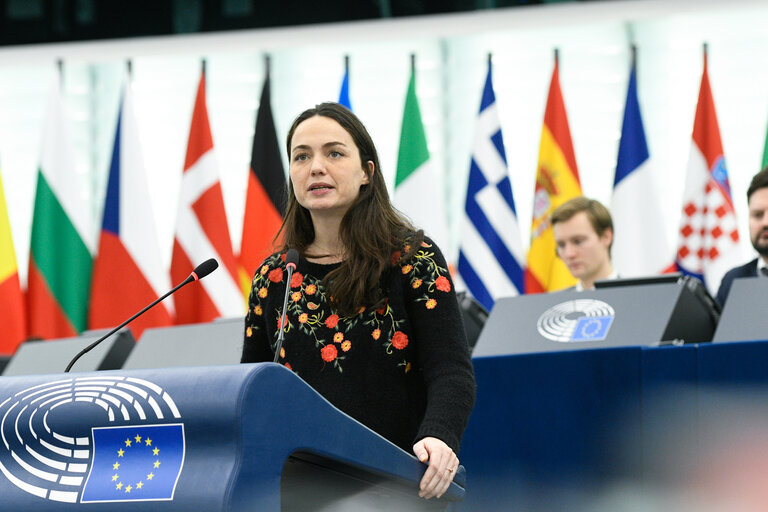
x: 746, y: 270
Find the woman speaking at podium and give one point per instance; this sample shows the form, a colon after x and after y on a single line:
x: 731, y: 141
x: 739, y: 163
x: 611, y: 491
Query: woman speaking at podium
x: 372, y: 321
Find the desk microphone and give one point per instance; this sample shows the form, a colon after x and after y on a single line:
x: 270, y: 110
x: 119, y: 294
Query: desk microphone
x: 200, y: 272
x: 291, y: 258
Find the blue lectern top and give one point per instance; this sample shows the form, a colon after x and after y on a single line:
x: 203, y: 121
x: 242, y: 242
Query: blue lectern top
x: 205, y: 438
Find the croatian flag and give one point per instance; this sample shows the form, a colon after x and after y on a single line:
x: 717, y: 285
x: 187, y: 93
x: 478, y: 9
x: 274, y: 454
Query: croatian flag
x: 709, y: 237
x: 128, y: 272
x: 491, y: 254
x: 639, y: 246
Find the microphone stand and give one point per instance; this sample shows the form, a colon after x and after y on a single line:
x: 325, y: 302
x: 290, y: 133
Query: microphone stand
x: 283, y: 316
x: 110, y: 333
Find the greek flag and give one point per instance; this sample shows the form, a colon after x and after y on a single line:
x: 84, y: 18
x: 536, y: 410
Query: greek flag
x: 491, y: 252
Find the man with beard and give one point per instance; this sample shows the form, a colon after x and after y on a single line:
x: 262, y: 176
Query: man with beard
x: 757, y: 199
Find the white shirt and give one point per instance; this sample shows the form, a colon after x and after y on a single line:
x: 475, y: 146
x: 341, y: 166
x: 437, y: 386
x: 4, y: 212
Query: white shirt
x: 612, y: 275
x: 761, y: 264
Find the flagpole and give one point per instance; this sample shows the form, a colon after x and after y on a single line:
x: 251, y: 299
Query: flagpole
x: 267, y: 65
x: 60, y: 68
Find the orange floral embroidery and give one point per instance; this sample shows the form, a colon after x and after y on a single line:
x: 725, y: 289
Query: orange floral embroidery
x: 416, y: 283
x: 443, y: 284
x: 257, y: 310
x: 275, y: 275
x: 430, y: 304
x: 376, y: 333
x: 262, y: 292
x: 331, y: 321
x: 296, y: 296
x: 406, y: 269
x: 303, y: 318
x: 329, y: 353
x: 346, y: 346
x: 310, y: 289
x: 399, y: 340
x: 338, y: 337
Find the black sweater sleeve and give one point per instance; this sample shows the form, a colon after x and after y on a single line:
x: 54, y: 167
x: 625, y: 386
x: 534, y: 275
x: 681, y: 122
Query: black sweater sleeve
x: 442, y: 350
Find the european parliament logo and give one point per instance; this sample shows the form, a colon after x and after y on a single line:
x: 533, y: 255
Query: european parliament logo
x: 92, y: 439
x: 577, y: 320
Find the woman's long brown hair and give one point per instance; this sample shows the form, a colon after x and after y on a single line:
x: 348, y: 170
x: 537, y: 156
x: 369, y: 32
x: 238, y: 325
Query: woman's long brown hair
x: 371, y: 231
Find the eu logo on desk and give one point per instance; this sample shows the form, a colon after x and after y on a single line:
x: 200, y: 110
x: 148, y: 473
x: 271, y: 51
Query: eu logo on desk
x: 577, y: 320
x: 135, y: 463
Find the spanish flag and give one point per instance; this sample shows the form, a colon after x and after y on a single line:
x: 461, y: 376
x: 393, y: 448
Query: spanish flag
x: 12, y: 326
x: 557, y: 181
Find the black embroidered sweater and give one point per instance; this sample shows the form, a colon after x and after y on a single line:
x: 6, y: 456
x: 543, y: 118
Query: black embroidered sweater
x: 402, y: 369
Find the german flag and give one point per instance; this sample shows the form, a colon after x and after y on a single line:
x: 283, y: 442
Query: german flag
x: 266, y: 195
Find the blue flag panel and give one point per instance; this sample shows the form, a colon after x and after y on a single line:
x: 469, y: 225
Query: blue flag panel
x: 135, y: 463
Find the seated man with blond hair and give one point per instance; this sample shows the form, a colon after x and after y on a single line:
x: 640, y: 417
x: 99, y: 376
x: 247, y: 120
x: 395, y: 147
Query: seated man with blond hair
x: 583, y: 231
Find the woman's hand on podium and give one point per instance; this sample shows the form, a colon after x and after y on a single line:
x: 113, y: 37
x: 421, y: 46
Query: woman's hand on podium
x: 442, y: 466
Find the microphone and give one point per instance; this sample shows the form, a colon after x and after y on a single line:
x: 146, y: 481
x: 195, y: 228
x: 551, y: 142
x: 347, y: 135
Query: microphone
x: 291, y: 258
x: 200, y: 272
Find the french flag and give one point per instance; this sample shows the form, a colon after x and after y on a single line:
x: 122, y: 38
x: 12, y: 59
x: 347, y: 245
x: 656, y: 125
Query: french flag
x: 639, y: 245
x: 128, y: 272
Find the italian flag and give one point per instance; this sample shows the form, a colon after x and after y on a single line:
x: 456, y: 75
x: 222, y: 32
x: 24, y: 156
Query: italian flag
x: 59, y: 257
x: 418, y: 184
x: 12, y: 328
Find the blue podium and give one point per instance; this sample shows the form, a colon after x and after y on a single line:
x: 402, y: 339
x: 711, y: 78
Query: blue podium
x: 229, y: 438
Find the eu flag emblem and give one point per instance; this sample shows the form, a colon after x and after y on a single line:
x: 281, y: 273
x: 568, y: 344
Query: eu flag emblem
x: 135, y: 463
x: 592, y: 328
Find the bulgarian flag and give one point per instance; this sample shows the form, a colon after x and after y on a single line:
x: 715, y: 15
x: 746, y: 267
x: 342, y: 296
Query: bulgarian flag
x: 266, y: 195
x: 418, y: 184
x: 128, y: 272
x: 59, y: 257
x: 202, y: 231
x: 12, y: 326
x: 557, y: 181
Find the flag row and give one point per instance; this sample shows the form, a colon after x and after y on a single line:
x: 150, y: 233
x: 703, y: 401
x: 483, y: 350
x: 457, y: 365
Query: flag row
x: 70, y: 290
x: 491, y: 261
